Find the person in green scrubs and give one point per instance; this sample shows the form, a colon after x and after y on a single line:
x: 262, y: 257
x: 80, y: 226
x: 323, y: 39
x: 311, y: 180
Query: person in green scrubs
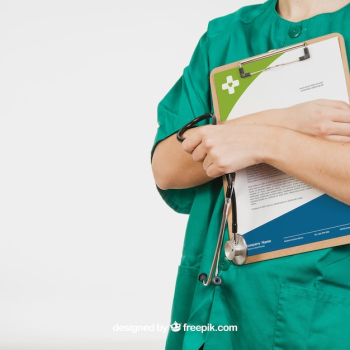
x: 294, y: 302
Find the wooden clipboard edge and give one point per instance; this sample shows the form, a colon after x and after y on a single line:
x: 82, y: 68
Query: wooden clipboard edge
x: 345, y: 60
x: 299, y: 249
x: 328, y: 243
x: 308, y: 42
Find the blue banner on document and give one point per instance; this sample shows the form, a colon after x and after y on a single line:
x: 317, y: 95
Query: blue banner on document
x: 318, y: 220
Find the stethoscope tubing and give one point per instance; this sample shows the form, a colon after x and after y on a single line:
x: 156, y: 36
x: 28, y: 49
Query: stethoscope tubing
x: 230, y: 200
x: 193, y: 122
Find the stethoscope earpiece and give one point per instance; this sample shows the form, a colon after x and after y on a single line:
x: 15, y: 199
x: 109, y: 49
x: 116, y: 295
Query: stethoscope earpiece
x: 202, y: 277
x: 217, y: 280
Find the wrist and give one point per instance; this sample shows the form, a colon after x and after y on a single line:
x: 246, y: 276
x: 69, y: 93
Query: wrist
x: 275, y: 117
x: 288, y: 119
x: 272, y: 144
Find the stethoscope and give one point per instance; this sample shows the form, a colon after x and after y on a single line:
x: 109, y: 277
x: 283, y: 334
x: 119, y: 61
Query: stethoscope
x: 236, y: 248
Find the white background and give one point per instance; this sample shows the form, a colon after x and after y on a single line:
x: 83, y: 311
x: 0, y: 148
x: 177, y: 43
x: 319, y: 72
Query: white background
x: 86, y: 242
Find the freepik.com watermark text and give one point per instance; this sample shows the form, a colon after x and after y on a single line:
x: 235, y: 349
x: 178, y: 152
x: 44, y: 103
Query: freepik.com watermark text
x: 175, y: 327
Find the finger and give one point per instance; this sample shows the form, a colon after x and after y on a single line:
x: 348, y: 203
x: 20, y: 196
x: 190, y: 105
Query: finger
x: 337, y: 129
x: 220, y: 165
x: 213, y: 171
x: 192, y: 140
x: 207, y: 162
x: 340, y: 115
x: 199, y: 153
x: 211, y: 167
x: 334, y: 104
x: 338, y: 138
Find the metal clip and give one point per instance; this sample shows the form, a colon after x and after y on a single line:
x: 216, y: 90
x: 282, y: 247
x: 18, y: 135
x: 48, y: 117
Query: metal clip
x: 274, y: 53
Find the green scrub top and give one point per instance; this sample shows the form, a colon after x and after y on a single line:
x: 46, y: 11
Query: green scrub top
x: 295, y: 302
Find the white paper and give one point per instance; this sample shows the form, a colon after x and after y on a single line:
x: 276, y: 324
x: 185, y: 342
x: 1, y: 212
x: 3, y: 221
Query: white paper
x: 263, y: 192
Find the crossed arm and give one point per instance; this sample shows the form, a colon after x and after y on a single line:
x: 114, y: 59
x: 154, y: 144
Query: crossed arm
x: 310, y: 141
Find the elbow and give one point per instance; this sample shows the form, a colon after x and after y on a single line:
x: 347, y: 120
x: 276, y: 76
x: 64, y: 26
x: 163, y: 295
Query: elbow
x: 161, y: 181
x: 163, y: 185
x: 160, y: 176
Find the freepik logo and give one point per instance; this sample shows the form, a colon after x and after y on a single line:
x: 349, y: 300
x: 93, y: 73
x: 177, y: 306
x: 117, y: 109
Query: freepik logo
x: 175, y: 327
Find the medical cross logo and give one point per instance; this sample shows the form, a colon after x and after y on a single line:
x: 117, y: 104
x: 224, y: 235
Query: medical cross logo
x: 175, y: 327
x: 230, y: 85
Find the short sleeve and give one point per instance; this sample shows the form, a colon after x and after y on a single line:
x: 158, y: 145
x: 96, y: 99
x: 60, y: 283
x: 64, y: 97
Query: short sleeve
x: 188, y: 99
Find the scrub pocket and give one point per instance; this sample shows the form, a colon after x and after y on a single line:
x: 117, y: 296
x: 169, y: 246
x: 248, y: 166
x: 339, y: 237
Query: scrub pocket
x: 308, y: 319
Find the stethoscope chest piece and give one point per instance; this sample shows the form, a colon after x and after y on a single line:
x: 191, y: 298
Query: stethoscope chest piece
x: 237, y: 250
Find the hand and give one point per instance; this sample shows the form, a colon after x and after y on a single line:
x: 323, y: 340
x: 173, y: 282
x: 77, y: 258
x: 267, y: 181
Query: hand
x: 226, y: 148
x: 327, y: 119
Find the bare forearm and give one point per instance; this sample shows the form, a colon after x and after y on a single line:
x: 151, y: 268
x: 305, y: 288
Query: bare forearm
x: 271, y: 117
x: 173, y: 168
x: 306, y: 122
x: 323, y: 164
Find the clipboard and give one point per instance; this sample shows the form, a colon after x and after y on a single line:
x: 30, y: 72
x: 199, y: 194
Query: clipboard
x: 281, y: 215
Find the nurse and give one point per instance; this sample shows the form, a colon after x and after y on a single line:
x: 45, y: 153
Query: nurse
x: 294, y: 302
